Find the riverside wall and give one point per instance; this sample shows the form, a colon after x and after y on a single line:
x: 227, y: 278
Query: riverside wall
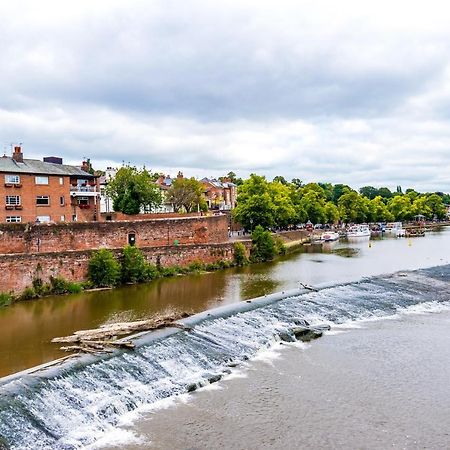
x: 75, y: 236
x: 18, y: 270
x: 29, y: 251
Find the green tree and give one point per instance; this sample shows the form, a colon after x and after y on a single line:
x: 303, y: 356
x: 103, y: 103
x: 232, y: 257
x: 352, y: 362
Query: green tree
x: 369, y: 191
x: 339, y: 190
x: 134, y: 266
x: 263, y: 245
x: 331, y: 213
x: 400, y: 207
x: 280, y: 179
x: 132, y: 190
x: 353, y: 207
x: 103, y: 269
x: 385, y: 192
x: 378, y: 211
x: 187, y: 194
x: 436, y: 204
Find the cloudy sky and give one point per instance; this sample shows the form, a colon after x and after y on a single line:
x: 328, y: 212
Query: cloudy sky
x: 354, y: 92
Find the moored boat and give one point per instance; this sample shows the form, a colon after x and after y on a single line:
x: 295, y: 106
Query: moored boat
x: 358, y: 231
x: 329, y: 236
x: 395, y: 228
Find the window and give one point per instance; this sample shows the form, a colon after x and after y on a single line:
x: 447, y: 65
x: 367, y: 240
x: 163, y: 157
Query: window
x: 42, y: 200
x: 83, y: 201
x: 13, y: 219
x: 12, y: 179
x: 62, y: 201
x: 12, y: 200
x: 74, y: 217
x: 61, y: 181
x: 42, y: 219
x: 41, y: 180
x: 63, y: 218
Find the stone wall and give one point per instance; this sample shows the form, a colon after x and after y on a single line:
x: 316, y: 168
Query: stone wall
x: 63, y: 237
x: 19, y: 270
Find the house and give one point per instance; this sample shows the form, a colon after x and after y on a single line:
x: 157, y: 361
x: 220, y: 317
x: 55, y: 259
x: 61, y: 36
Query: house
x: 220, y: 195
x: 46, y: 191
x: 164, y: 183
x: 106, y: 203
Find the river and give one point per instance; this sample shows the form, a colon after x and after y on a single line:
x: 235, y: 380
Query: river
x: 331, y: 393
x: 26, y: 328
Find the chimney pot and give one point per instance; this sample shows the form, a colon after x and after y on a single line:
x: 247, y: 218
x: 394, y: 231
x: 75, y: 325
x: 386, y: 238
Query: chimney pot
x: 17, y: 154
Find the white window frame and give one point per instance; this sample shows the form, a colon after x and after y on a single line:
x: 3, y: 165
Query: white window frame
x: 43, y: 219
x: 11, y: 202
x: 12, y: 179
x: 41, y: 180
x: 62, y: 200
x: 42, y: 197
x: 13, y: 219
x: 61, y: 181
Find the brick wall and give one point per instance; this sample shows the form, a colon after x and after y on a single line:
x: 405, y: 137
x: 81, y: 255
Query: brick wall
x: 32, y: 238
x: 18, y: 271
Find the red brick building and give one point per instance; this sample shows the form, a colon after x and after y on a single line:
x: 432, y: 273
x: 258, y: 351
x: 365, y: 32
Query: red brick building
x: 220, y: 195
x: 46, y: 191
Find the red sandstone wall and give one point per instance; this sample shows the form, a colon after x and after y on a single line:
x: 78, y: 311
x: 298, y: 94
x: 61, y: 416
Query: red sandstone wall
x: 27, y: 238
x: 17, y: 271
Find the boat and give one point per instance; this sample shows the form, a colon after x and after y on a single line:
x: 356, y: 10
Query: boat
x: 329, y: 236
x: 395, y: 228
x: 358, y: 231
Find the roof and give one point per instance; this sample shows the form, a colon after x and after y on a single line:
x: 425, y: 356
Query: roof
x: 34, y: 166
x: 217, y: 183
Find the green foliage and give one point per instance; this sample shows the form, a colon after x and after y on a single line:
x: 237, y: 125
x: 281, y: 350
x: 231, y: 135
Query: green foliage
x: 263, y: 245
x: 196, y: 266
x: 240, y: 257
x: 28, y: 294
x: 103, y: 269
x: 6, y: 299
x: 353, y: 207
x: 133, y: 265
x: 186, y: 194
x: 280, y: 247
x: 132, y: 190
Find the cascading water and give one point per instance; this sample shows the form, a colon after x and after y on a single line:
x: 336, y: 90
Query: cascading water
x: 80, y: 404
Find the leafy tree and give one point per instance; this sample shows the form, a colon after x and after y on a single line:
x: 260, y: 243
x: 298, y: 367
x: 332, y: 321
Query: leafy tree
x: 103, y: 268
x: 339, y: 190
x: 134, y: 266
x: 313, y: 203
x: 232, y: 177
x: 254, y: 204
x: 297, y: 182
x: 187, y: 194
x: 400, y: 207
x: 331, y: 213
x: 378, y: 211
x: 284, y: 209
x: 132, y: 190
x: 353, y: 207
x: 436, y: 204
x: 369, y: 191
x: 263, y: 245
x: 280, y: 179
x: 385, y: 192
x: 240, y: 257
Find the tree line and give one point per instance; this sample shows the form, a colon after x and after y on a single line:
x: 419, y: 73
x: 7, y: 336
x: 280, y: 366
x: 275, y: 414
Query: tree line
x: 279, y: 204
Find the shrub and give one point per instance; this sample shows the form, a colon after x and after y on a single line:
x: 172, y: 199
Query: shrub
x: 134, y: 266
x: 58, y: 285
x: 28, y: 294
x: 280, y: 247
x: 103, y: 269
x: 196, y: 266
x: 5, y: 299
x: 74, y: 288
x: 152, y: 272
x: 263, y: 245
x: 240, y: 258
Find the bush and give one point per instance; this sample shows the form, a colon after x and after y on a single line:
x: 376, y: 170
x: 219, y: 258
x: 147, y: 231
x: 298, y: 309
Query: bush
x: 196, y: 266
x: 152, y: 272
x: 263, y: 245
x: 28, y: 294
x: 5, y: 299
x: 58, y: 285
x: 103, y: 269
x: 74, y: 288
x: 280, y: 247
x: 134, y: 266
x: 240, y: 257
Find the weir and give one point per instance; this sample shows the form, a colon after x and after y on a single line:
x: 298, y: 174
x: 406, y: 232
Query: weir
x: 77, y: 401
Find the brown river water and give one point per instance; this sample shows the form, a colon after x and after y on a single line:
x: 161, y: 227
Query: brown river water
x: 27, y: 328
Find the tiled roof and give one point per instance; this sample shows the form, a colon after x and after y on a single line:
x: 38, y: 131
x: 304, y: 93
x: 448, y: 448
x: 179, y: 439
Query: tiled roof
x: 217, y: 183
x: 34, y: 166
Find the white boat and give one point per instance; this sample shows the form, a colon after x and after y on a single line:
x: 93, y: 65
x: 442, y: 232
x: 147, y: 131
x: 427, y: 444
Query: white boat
x: 329, y: 236
x: 395, y: 229
x: 358, y: 231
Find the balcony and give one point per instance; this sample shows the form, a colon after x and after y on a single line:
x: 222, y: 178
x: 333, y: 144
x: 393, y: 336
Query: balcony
x: 84, y: 191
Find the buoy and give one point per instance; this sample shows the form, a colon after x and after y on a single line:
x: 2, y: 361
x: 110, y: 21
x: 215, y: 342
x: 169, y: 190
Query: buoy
x: 370, y: 244
x: 409, y: 243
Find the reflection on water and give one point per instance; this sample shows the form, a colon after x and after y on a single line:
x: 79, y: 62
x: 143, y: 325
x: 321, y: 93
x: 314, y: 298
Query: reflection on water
x: 26, y: 328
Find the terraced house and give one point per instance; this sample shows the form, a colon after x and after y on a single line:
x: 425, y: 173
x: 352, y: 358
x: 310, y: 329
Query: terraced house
x: 46, y: 191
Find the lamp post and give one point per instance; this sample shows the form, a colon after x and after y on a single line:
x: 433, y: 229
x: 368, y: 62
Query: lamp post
x: 251, y: 226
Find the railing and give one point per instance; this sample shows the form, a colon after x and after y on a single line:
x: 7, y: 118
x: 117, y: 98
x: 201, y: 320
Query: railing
x: 83, y: 189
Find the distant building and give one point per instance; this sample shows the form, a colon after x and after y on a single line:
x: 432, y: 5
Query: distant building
x: 46, y: 191
x: 220, y: 195
x: 106, y: 204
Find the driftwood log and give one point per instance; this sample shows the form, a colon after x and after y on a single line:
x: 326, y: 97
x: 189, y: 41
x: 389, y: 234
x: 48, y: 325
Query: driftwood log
x: 103, y: 338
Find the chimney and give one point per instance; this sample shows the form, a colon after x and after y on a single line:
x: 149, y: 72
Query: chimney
x: 180, y: 174
x: 17, y: 154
